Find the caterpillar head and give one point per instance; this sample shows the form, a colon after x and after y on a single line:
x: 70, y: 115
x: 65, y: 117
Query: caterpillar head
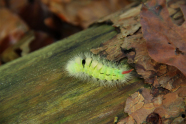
x: 75, y: 65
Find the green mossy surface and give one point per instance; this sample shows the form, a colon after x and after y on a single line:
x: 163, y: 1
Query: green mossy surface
x: 36, y: 89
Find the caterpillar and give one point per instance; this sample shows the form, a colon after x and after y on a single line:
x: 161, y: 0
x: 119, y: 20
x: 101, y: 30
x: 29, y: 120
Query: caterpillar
x: 88, y: 66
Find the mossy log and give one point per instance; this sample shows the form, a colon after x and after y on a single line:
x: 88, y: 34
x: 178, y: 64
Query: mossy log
x: 36, y: 89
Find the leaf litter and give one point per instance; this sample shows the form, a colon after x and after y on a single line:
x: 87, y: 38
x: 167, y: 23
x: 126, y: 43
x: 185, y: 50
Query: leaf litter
x: 153, y: 40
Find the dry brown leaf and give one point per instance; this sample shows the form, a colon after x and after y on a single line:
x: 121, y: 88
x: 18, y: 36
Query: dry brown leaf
x: 136, y: 108
x: 134, y: 103
x: 2, y: 3
x: 143, y: 63
x: 182, y: 92
x: 172, y: 105
x: 179, y: 81
x: 153, y: 72
x: 135, y: 48
x: 141, y: 114
x: 82, y: 12
x: 157, y: 101
x: 166, y: 42
x: 169, y: 98
x: 158, y: 74
x: 147, y: 96
x: 161, y: 111
x: 12, y: 28
x: 129, y: 22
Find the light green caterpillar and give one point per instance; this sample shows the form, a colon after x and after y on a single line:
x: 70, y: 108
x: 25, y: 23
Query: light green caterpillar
x: 87, y: 66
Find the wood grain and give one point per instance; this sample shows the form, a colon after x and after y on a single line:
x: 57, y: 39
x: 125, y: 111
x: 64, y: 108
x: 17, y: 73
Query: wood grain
x: 36, y: 89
